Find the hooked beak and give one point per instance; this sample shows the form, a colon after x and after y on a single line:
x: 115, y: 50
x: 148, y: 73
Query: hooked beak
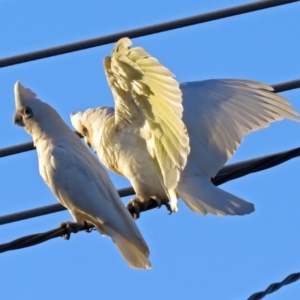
x: 18, y: 120
x: 87, y: 141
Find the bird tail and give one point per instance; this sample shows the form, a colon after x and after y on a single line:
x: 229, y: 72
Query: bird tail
x: 201, y: 196
x: 136, y: 254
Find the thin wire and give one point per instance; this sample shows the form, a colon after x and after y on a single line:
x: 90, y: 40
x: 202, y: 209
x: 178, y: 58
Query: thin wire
x: 34, y: 239
x: 286, y: 86
x: 16, y: 149
x: 11, y: 150
x: 138, y: 32
x: 227, y: 173
x: 37, y: 238
x: 275, y: 286
x: 49, y: 209
x: 237, y: 170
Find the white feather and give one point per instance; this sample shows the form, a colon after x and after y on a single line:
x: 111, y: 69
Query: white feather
x: 217, y: 114
x: 77, y: 179
x: 147, y: 97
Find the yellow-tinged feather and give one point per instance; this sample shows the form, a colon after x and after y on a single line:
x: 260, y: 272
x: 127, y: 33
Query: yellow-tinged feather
x: 146, y: 94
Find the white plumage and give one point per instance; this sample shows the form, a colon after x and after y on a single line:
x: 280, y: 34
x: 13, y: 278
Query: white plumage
x: 217, y: 113
x: 76, y: 178
x: 148, y: 113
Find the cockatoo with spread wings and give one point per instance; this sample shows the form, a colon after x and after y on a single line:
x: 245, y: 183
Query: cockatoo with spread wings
x: 76, y: 178
x: 144, y: 139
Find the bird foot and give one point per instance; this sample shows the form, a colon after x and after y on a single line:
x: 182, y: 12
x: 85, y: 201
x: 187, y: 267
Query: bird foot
x: 137, y: 205
x: 165, y: 203
x: 87, y: 227
x: 71, y: 227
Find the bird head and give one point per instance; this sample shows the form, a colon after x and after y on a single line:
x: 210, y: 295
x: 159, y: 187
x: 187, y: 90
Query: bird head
x: 27, y: 107
x: 91, y: 122
x: 35, y: 115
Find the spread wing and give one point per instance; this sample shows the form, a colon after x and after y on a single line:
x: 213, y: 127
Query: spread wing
x: 217, y: 113
x: 148, y: 101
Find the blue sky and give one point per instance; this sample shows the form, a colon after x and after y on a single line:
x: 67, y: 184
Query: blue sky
x: 193, y: 256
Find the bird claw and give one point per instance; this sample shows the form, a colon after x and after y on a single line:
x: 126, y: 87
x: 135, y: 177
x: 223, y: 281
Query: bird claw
x: 165, y: 203
x: 69, y: 227
x: 87, y: 227
x: 137, y: 205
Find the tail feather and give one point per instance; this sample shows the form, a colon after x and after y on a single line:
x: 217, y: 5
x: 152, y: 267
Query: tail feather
x: 201, y: 196
x: 135, y: 255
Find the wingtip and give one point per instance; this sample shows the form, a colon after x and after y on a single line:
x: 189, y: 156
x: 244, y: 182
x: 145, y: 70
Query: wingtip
x: 123, y: 43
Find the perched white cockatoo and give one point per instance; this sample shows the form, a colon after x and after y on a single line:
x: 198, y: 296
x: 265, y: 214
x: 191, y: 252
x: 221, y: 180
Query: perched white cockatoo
x: 217, y: 113
x: 76, y: 178
x: 145, y: 139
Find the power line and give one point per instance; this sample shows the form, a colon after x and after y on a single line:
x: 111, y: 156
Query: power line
x: 223, y: 176
x: 38, y: 238
x: 138, y: 32
x: 275, y: 286
x: 63, y: 231
x: 286, y: 86
x: 11, y: 150
x: 227, y: 173
x: 237, y: 170
x: 16, y: 149
x: 48, y: 209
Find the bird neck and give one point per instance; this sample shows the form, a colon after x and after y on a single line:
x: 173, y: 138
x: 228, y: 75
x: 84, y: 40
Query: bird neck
x: 56, y: 131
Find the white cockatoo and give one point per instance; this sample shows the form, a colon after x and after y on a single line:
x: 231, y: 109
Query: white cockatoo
x: 76, y: 178
x: 145, y: 138
x: 217, y: 113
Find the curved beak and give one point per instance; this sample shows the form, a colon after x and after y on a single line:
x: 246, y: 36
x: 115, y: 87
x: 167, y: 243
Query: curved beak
x: 18, y: 120
x: 87, y: 141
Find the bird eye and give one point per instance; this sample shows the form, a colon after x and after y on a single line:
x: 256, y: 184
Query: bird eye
x: 85, y: 131
x: 28, y: 113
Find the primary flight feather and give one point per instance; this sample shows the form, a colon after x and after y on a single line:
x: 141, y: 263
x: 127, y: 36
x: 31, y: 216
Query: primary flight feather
x: 147, y: 122
x: 76, y: 178
x: 217, y: 113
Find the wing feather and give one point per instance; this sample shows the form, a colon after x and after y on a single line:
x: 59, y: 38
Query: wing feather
x: 148, y: 97
x: 217, y: 113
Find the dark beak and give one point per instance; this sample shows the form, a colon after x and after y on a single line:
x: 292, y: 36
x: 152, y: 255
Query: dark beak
x: 18, y: 120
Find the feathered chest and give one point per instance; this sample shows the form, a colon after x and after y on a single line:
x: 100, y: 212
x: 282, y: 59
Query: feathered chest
x: 120, y: 150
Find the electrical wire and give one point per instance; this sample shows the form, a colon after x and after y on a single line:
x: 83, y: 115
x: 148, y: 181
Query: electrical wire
x: 38, y: 238
x: 48, y: 209
x: 275, y: 286
x: 227, y: 173
x: 11, y: 150
x: 138, y: 32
